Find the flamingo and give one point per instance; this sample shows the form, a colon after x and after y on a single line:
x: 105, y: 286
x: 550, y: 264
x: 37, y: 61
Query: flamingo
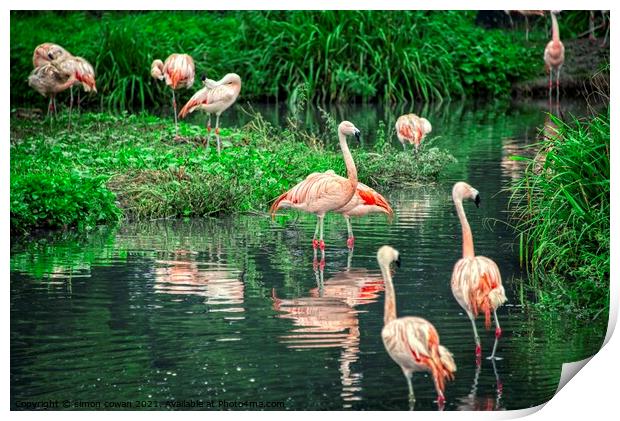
x: 411, y: 128
x: 49, y: 80
x: 554, y: 55
x: 214, y: 97
x: 83, y: 74
x: 412, y: 342
x: 365, y: 200
x: 320, y: 192
x: 178, y: 71
x: 476, y: 281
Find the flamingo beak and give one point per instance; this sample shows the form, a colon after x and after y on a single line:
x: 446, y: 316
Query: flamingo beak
x: 398, y: 261
x: 357, y: 135
x: 477, y: 200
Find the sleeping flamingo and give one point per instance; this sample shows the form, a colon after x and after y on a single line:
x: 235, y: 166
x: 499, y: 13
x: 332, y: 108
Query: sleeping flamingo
x: 320, y: 192
x: 554, y: 56
x: 214, y: 97
x: 46, y: 52
x: 365, y: 200
x: 178, y: 71
x: 49, y: 80
x: 412, y: 342
x: 82, y: 72
x: 476, y: 282
x: 413, y: 129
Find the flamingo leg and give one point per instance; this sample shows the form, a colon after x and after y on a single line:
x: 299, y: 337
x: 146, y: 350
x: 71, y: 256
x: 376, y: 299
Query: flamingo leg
x: 550, y: 83
x: 351, y: 238
x: 55, y: 109
x: 498, y: 334
x: 557, y: 86
x: 208, y: 130
x: 70, y: 105
x: 527, y: 29
x: 476, y: 337
x: 441, y: 400
x: 410, y: 385
x: 217, y: 133
x: 78, y: 101
x: 404, y: 148
x: 50, y: 106
x: 321, y: 242
x: 174, y: 106
x: 315, y: 243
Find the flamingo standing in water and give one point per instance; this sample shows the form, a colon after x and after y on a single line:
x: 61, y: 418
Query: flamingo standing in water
x: 413, y: 129
x: 554, y: 56
x: 476, y: 281
x: 320, y: 192
x: 365, y: 200
x: 214, y: 97
x: 179, y: 72
x: 412, y: 342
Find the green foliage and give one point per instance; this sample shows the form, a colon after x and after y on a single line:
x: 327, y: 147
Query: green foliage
x: 83, y: 176
x: 561, y: 206
x: 335, y: 55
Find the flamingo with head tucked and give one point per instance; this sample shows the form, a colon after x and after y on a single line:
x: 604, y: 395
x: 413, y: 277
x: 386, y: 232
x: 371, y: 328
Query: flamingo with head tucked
x: 49, y: 80
x: 554, y: 55
x: 412, y: 342
x: 413, y: 129
x: 82, y: 73
x: 179, y: 72
x: 214, y: 97
x: 476, y: 281
x: 320, y: 192
x: 46, y: 52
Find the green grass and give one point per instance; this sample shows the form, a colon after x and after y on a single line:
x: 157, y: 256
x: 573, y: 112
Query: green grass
x: 561, y: 206
x: 339, y: 55
x: 109, y: 167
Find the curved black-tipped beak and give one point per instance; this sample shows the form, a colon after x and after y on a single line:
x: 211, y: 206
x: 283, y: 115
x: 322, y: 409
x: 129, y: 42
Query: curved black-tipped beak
x: 477, y: 200
x: 398, y: 261
x: 203, y: 78
x: 51, y: 56
x: 357, y: 135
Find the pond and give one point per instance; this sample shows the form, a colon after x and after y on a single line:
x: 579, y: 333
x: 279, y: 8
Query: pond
x: 233, y: 309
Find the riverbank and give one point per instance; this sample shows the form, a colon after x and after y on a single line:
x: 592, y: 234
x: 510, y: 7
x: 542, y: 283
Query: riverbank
x: 129, y: 166
x: 561, y: 210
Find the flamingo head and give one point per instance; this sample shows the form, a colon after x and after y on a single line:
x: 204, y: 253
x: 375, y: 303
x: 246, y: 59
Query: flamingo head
x: 348, y: 129
x: 231, y: 79
x: 386, y: 255
x: 426, y: 125
x: 462, y: 190
x: 555, y: 12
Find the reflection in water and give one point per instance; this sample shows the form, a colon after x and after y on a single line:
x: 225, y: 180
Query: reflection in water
x: 222, y: 289
x: 327, y: 319
x: 472, y: 402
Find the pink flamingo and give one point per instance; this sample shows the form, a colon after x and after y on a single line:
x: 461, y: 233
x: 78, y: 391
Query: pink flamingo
x: 214, y: 97
x: 525, y: 14
x: 412, y: 342
x: 476, y: 281
x: 320, y: 193
x: 413, y: 129
x: 82, y: 73
x: 554, y: 55
x: 49, y: 80
x: 179, y: 72
x: 364, y: 201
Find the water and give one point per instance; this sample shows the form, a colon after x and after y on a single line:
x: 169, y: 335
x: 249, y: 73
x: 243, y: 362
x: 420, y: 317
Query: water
x: 233, y: 308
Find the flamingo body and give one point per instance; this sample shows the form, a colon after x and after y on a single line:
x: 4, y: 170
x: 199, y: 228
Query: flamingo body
x: 412, y: 129
x: 214, y: 97
x: 554, y: 56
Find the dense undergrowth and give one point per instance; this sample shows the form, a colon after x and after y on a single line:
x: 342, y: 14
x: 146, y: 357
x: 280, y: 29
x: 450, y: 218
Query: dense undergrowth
x: 108, y: 167
x: 561, y: 207
x: 339, y: 55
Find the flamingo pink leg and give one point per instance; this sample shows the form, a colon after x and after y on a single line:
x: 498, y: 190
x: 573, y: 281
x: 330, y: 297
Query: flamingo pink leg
x: 351, y: 238
x: 174, y: 106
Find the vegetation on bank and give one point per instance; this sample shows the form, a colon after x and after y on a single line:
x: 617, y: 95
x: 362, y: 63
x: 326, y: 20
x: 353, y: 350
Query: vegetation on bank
x: 561, y: 207
x: 108, y: 167
x: 340, y: 55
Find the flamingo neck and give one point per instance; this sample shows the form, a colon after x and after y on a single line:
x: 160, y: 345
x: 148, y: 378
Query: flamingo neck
x: 468, y: 240
x: 555, y: 29
x: 348, y: 160
x: 390, y: 296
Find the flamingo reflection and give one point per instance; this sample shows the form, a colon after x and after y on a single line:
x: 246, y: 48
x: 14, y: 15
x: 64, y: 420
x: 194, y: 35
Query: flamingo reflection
x: 222, y: 288
x: 472, y: 402
x: 327, y: 318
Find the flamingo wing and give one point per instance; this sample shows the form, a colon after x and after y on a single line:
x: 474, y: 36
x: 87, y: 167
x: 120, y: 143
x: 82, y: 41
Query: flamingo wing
x: 318, y: 192
x: 199, y: 98
x: 179, y: 71
x: 371, y: 197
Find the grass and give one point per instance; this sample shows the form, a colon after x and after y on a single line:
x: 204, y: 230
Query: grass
x: 342, y: 56
x: 109, y: 167
x: 561, y: 207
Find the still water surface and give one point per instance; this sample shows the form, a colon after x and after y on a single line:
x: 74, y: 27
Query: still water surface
x: 233, y: 308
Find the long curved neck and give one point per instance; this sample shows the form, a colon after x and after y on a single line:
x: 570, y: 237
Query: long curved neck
x: 348, y: 159
x: 390, y: 296
x: 468, y: 240
x: 555, y: 29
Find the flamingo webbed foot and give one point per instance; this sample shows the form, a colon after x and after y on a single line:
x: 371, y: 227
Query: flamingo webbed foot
x: 495, y: 358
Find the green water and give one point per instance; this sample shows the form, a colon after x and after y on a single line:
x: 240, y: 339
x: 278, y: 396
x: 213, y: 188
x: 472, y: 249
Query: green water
x: 233, y: 309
